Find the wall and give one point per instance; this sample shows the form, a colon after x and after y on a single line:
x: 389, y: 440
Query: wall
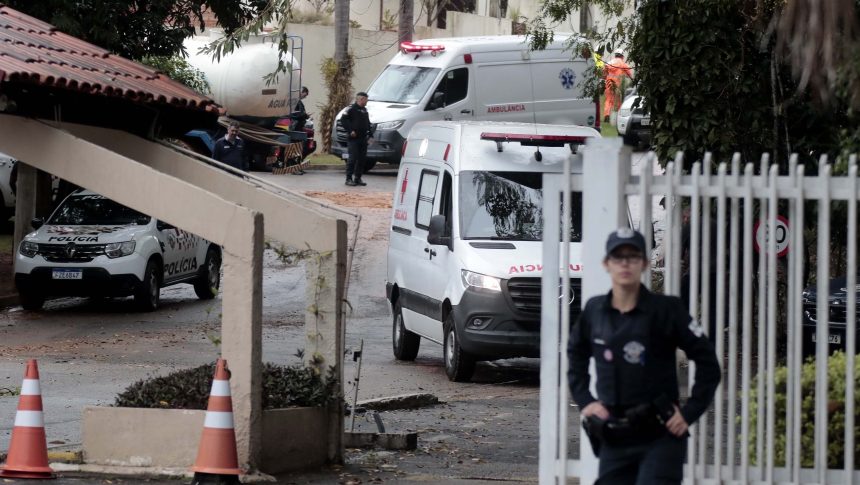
x: 372, y: 50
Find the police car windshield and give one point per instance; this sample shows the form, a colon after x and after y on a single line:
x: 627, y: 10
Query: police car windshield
x: 508, y: 206
x: 402, y: 84
x: 95, y: 210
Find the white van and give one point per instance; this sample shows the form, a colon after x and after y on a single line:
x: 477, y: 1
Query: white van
x: 472, y: 78
x: 464, y: 251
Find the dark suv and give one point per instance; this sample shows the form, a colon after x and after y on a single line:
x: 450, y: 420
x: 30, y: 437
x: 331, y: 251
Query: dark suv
x: 837, y: 296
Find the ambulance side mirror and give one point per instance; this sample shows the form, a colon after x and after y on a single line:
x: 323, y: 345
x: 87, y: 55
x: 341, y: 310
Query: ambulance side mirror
x: 436, y: 101
x: 437, y: 236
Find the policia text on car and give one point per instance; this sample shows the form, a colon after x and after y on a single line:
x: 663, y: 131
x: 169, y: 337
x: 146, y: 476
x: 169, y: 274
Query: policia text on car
x: 636, y: 426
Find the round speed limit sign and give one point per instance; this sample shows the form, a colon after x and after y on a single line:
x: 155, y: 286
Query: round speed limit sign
x: 762, y: 232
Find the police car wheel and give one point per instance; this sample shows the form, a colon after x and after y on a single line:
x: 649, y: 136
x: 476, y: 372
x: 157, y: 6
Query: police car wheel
x: 459, y: 365
x: 147, y: 295
x: 404, y: 342
x: 206, y: 286
x: 30, y: 300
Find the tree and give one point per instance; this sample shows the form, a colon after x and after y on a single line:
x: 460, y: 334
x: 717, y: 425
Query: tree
x: 715, y: 77
x: 406, y: 18
x: 135, y: 29
x: 179, y: 69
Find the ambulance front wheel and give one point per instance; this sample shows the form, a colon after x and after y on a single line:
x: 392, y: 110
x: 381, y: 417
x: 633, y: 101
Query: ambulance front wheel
x: 459, y: 365
x: 404, y: 342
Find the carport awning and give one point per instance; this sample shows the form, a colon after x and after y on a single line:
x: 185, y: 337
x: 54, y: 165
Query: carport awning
x: 46, y: 73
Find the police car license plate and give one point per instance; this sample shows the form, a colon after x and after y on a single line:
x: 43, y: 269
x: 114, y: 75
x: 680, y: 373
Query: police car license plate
x: 67, y: 274
x: 833, y: 338
x: 646, y: 121
x: 344, y: 156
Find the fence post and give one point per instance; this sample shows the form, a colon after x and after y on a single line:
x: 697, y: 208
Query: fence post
x: 606, y: 170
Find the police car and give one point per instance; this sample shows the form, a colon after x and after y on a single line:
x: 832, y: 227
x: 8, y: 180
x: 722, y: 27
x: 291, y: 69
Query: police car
x: 93, y: 246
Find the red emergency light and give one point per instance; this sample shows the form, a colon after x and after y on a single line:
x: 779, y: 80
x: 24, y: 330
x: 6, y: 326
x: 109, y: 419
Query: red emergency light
x: 407, y: 47
x: 535, y: 141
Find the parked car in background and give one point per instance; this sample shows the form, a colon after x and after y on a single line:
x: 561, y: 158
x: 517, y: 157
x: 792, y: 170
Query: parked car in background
x: 93, y: 246
x: 7, y: 190
x: 837, y: 316
x: 634, y: 123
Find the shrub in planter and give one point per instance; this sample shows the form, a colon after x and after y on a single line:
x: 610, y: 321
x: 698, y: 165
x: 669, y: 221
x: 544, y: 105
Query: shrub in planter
x: 835, y: 418
x: 283, y: 387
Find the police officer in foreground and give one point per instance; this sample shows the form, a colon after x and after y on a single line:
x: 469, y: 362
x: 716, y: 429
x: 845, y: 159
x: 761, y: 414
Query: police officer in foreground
x: 356, y: 123
x: 636, y: 424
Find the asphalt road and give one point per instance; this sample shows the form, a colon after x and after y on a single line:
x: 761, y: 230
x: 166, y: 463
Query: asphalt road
x: 89, y: 351
x: 483, y: 431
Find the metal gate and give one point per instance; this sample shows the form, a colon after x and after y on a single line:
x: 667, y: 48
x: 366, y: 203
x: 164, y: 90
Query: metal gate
x: 731, y: 241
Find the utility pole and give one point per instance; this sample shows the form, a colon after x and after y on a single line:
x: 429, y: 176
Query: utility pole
x: 341, y: 31
x: 404, y: 27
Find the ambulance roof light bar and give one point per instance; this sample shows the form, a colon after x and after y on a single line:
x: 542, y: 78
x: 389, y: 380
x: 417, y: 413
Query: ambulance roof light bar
x: 535, y: 140
x: 408, y: 47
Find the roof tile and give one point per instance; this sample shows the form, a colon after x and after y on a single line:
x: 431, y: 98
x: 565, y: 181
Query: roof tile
x: 33, y: 51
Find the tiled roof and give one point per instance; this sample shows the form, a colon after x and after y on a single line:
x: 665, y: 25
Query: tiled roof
x: 32, y: 51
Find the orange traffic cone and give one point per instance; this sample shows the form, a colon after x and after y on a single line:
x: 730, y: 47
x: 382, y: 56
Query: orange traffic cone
x: 28, y: 450
x: 217, y: 459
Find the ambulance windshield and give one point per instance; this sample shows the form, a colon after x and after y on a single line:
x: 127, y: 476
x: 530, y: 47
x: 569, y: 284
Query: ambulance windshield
x: 91, y: 209
x: 402, y: 84
x: 507, y: 206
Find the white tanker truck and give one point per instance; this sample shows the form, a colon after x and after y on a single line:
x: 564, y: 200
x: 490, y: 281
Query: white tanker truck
x: 264, y: 111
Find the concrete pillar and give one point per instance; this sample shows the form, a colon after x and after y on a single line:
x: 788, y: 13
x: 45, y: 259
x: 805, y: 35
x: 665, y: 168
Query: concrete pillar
x: 324, y: 323
x: 242, y: 334
x: 25, y: 202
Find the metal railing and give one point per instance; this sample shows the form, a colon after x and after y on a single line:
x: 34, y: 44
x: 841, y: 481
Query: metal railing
x: 752, y: 304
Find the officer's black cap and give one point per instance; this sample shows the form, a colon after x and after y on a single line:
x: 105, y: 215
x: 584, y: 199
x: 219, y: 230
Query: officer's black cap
x: 625, y: 237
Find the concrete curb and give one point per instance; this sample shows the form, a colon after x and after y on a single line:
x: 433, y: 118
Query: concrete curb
x: 404, y: 401
x: 146, y: 472
x: 326, y: 167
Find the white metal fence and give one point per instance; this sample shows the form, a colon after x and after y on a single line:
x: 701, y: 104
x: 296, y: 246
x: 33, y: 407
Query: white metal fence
x: 768, y: 423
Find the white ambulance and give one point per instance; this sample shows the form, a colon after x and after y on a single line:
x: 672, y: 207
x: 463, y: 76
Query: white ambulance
x: 473, y: 78
x: 93, y: 246
x: 464, y: 253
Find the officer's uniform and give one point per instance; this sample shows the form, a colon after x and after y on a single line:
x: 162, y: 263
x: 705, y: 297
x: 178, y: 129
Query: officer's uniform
x: 231, y: 153
x: 634, y: 354
x: 356, y: 119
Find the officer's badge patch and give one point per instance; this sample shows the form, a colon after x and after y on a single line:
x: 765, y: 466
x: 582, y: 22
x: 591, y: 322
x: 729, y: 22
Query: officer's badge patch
x: 607, y: 355
x: 696, y: 328
x: 634, y: 352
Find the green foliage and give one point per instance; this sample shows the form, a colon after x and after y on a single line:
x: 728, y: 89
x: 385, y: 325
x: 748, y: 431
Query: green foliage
x: 389, y: 20
x: 283, y: 387
x: 835, y: 419
x: 275, y: 12
x: 712, y: 78
x: 704, y: 78
x: 137, y: 29
x: 179, y: 69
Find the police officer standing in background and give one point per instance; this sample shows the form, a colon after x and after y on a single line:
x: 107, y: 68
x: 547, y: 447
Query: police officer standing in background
x: 356, y: 123
x: 636, y: 425
x: 230, y: 149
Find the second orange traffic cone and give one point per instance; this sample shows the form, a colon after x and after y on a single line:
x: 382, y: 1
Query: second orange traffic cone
x: 217, y: 452
x: 28, y: 449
